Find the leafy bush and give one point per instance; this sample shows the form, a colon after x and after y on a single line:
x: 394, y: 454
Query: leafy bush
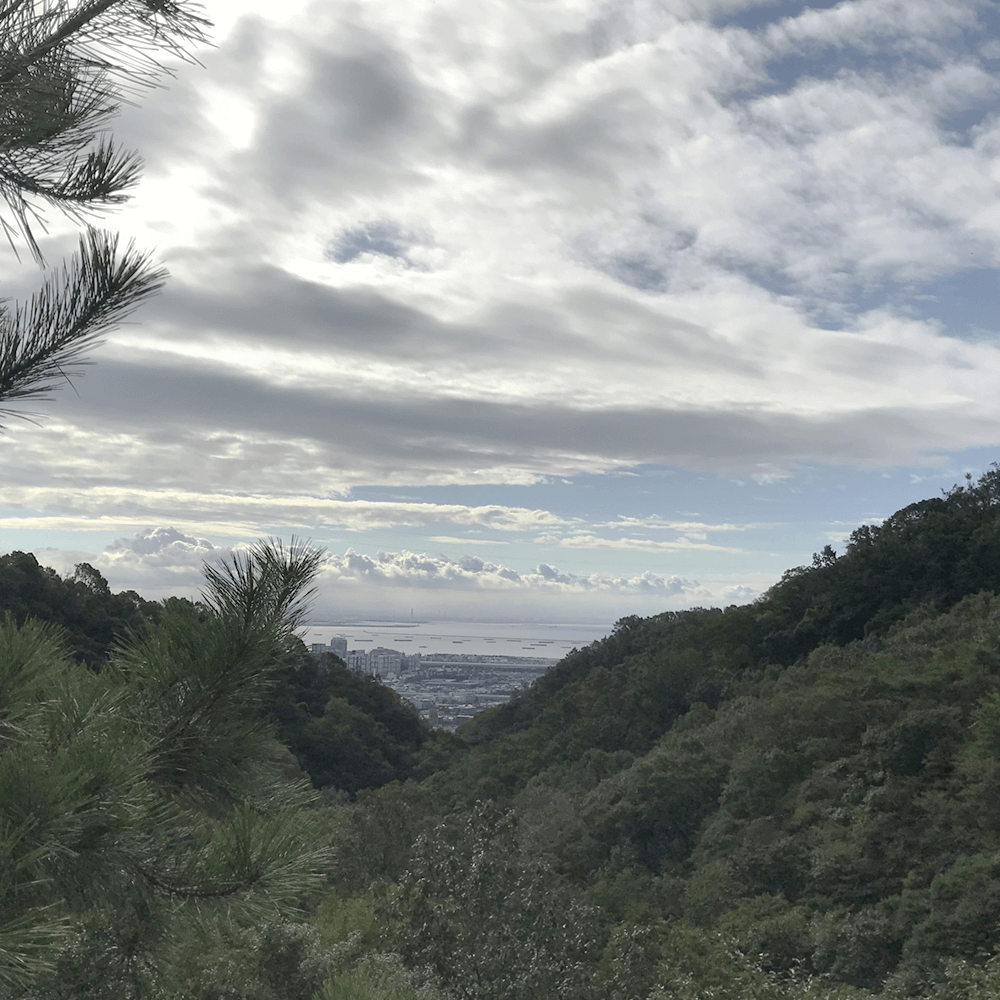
x: 489, y: 922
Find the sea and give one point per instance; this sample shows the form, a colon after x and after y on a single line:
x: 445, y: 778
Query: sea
x: 485, y: 638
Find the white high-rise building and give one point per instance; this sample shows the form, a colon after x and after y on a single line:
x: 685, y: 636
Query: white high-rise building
x: 385, y: 662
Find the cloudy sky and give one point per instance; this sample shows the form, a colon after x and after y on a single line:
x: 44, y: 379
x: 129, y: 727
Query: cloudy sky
x: 548, y: 309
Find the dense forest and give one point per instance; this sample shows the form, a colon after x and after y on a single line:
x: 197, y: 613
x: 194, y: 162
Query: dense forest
x: 794, y: 798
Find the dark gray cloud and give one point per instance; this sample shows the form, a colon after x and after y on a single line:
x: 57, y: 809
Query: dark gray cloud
x: 167, y: 124
x: 274, y: 431
x: 364, y: 111
x: 588, y: 142
x: 268, y: 304
x: 272, y: 306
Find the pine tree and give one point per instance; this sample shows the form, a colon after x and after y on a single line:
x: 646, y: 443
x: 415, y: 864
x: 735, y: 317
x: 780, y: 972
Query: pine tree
x: 65, y: 67
x: 150, y: 793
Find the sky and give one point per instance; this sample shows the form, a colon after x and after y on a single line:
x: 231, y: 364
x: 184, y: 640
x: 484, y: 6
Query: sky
x: 549, y: 310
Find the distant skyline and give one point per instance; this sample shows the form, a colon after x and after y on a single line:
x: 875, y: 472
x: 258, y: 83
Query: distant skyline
x: 536, y: 310
x: 436, y: 636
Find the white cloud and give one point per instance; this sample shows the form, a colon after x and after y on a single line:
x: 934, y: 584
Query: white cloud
x: 158, y: 562
x: 241, y: 515
x: 868, y: 24
x: 166, y: 554
x: 692, y: 528
x: 423, y: 571
x: 391, y: 583
x: 452, y: 540
x: 162, y: 544
x: 685, y: 544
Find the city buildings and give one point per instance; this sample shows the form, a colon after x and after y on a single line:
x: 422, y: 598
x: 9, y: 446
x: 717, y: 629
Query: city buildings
x: 337, y: 646
x: 446, y: 688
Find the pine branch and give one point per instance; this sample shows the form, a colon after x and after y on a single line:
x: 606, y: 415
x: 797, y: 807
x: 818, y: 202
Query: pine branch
x: 134, y: 28
x: 41, y: 344
x: 71, y: 26
x: 258, y: 599
x: 97, y: 178
x: 63, y: 70
x: 266, y: 579
x: 251, y: 849
x: 29, y: 946
x: 50, y: 121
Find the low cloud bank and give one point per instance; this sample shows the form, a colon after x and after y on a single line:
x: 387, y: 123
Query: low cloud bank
x: 411, y: 569
x: 159, y: 562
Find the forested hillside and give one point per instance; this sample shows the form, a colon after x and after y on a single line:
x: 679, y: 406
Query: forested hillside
x: 795, y: 798
x: 83, y: 605
x: 934, y: 552
x: 810, y: 780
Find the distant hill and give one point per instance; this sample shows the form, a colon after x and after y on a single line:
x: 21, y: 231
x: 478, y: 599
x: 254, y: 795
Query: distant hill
x: 932, y: 553
x: 93, y: 617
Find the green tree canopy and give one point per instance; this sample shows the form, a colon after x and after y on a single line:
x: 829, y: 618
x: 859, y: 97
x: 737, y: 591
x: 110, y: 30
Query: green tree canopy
x: 93, y: 618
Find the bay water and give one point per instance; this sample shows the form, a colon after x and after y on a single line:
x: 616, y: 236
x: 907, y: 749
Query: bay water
x: 537, y: 639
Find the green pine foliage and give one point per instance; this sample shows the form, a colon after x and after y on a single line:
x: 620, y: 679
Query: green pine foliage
x: 150, y: 789
x: 65, y: 68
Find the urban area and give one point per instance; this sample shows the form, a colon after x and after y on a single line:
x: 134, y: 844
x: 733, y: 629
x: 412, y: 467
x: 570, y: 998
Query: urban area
x: 446, y: 688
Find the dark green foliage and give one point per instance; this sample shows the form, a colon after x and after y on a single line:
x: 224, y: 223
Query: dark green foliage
x: 277, y: 960
x: 374, y: 838
x: 347, y: 748
x: 93, y: 618
x: 960, y: 912
x: 857, y: 946
x: 347, y: 730
x: 656, y: 806
x: 837, y: 817
x: 935, y: 551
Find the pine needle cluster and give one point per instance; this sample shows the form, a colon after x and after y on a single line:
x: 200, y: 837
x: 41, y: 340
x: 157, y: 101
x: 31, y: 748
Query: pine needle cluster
x: 132, y: 797
x: 66, y: 66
